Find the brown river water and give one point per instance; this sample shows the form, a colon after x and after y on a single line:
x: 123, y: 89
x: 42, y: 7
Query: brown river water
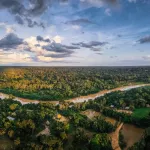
x: 78, y: 99
x: 132, y: 134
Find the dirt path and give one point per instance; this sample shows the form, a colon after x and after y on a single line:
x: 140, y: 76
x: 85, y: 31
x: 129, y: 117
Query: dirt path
x: 115, y: 138
x: 78, y: 99
x: 46, y: 132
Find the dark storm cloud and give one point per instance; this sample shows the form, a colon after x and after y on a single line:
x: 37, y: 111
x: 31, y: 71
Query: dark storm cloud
x: 70, y: 47
x: 79, y: 21
x: 99, y: 53
x: 10, y: 41
x: 91, y: 44
x: 62, y: 61
x: 41, y: 39
x: 32, y: 24
x: 19, y: 20
x: 37, y: 45
x: 60, y: 50
x: 63, y: 55
x: 16, y: 7
x: 145, y: 39
x: 96, y: 49
x: 28, y: 9
x: 39, y: 6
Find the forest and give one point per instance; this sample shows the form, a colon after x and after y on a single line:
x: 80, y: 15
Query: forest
x: 62, y: 83
x: 68, y: 125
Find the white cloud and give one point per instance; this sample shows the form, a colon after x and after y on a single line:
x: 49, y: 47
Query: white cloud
x: 58, y: 39
x: 76, y: 27
x: 48, y: 59
x: 108, y: 12
x: 8, y: 28
x: 132, y: 1
x: 32, y: 42
x: 146, y: 57
x: 15, y: 58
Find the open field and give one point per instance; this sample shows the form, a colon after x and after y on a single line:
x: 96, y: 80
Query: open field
x: 141, y: 112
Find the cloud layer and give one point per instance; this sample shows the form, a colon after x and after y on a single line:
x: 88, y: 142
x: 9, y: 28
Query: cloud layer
x: 10, y: 41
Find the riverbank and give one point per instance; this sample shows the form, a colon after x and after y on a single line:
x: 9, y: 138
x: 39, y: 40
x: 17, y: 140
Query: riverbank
x: 78, y: 99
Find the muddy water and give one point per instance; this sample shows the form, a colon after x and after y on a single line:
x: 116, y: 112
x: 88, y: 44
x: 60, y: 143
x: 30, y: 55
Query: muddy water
x: 5, y: 143
x: 132, y: 134
x: 78, y: 99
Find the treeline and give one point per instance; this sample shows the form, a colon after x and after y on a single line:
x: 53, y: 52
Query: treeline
x: 64, y: 83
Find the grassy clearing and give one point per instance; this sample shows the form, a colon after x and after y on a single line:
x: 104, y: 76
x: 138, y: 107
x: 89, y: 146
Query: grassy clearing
x: 141, y: 112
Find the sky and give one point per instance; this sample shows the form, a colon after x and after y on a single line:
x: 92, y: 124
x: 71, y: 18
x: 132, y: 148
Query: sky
x: 74, y: 32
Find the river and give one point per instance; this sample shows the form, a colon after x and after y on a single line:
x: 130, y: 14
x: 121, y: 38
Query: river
x: 78, y: 99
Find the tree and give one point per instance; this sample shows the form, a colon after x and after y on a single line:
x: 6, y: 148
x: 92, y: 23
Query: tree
x: 100, y: 142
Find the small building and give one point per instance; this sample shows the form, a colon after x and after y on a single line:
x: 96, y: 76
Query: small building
x: 148, y: 105
x: 70, y: 106
x: 127, y: 108
x: 47, y: 123
x: 10, y: 118
x: 58, y: 116
x: 112, y: 106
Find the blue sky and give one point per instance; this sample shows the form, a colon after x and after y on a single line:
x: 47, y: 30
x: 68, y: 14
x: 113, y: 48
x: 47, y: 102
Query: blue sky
x: 75, y: 32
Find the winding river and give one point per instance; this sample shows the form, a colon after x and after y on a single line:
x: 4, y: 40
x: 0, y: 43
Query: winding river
x: 78, y: 99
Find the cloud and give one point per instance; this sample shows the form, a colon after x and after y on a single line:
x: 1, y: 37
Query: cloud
x: 32, y: 24
x: 8, y: 28
x: 22, y: 21
x: 132, y: 1
x: 146, y: 57
x: 34, y: 7
x: 19, y: 20
x: 99, y: 53
x: 79, y: 21
x: 145, y: 39
x: 76, y: 27
x: 58, y: 39
x: 10, y: 41
x: 46, y: 59
x: 96, y: 49
x: 108, y: 12
x: 113, y: 56
x: 24, y: 12
x: 63, y: 55
x: 91, y: 44
x: 101, y: 3
x: 15, y: 58
x: 48, y: 50
x: 41, y: 39
x: 59, y: 49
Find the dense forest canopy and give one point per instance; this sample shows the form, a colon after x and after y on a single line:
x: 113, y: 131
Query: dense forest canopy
x: 45, y: 126
x: 59, y: 83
